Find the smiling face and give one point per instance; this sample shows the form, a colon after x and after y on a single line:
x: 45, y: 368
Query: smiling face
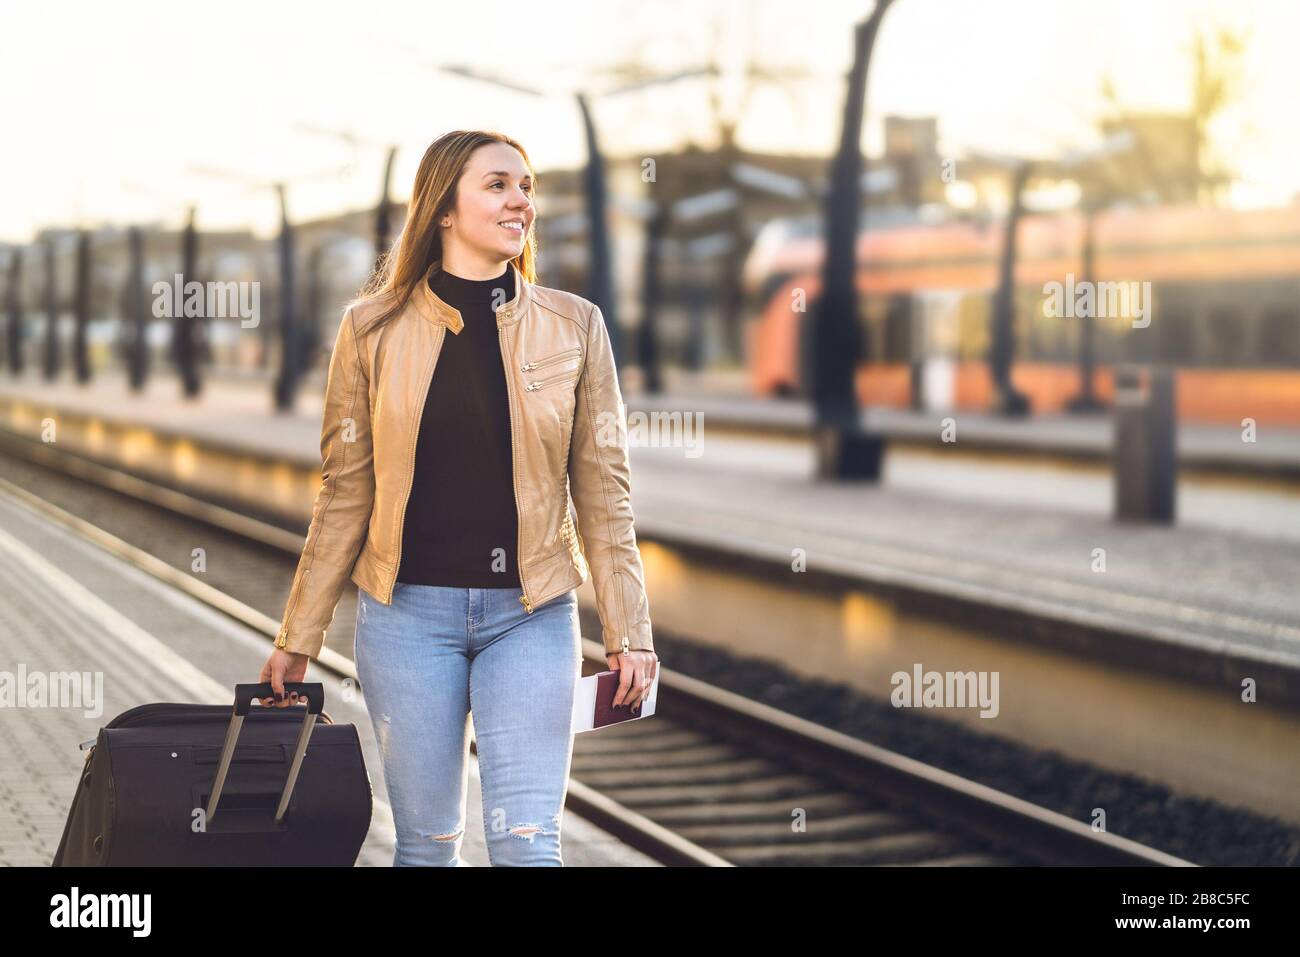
x: 493, y: 215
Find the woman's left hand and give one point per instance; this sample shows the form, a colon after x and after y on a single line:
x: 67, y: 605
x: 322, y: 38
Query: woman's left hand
x: 637, y: 670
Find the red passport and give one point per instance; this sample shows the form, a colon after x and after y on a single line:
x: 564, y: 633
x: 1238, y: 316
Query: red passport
x: 593, y: 702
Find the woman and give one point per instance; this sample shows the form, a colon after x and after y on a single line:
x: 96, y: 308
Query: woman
x: 464, y: 403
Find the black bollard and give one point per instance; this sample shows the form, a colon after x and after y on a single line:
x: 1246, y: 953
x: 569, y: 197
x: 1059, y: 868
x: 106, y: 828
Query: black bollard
x: 842, y: 453
x: 1145, y: 449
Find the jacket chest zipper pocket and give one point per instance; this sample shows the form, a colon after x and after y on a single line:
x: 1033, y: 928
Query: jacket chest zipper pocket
x: 550, y: 360
x: 569, y: 376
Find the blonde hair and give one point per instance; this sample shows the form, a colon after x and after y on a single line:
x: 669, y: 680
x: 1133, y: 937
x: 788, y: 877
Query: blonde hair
x: 417, y: 251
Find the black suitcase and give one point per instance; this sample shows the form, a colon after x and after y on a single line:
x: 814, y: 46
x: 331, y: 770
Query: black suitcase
x: 164, y: 784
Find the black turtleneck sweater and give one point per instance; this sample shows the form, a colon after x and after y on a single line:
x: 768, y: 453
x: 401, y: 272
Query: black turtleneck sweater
x: 462, y: 504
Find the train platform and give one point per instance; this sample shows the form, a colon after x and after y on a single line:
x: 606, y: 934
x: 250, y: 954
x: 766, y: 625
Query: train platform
x: 1019, y: 536
x: 722, y: 397
x: 1082, y: 438
x: 719, y: 398
x: 71, y: 607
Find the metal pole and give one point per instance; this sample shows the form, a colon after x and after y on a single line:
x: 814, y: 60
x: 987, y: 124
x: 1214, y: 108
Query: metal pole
x: 1002, y: 352
x: 187, y: 329
x: 600, y: 271
x: 81, y: 314
x: 51, y: 351
x: 134, y: 325
x: 835, y: 338
x: 286, y: 384
x: 732, y: 289
x: 383, y: 226
x: 15, y: 311
x: 311, y: 325
x: 1086, y: 400
x: 648, y: 334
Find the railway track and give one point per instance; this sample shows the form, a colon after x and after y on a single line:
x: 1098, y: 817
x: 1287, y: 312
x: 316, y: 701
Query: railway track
x: 714, y: 780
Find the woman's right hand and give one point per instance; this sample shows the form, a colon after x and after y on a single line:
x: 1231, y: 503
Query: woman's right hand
x: 283, y: 666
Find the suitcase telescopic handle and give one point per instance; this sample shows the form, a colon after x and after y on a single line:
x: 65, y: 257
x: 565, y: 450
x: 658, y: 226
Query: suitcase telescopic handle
x: 312, y: 692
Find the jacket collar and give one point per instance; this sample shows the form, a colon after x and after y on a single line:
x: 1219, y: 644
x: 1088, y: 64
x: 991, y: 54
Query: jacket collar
x: 439, y: 312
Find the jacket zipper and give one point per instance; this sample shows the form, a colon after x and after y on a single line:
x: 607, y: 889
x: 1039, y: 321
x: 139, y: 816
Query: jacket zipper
x: 570, y: 376
x: 519, y: 530
x: 423, y: 398
x: 558, y: 357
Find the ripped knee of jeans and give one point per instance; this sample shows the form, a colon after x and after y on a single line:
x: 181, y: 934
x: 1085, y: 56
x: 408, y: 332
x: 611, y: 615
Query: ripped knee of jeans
x: 528, y: 831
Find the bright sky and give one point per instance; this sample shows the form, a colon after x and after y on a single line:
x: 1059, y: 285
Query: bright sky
x: 109, y: 108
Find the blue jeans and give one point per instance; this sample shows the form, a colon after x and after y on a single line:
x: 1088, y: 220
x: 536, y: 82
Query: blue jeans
x: 429, y: 658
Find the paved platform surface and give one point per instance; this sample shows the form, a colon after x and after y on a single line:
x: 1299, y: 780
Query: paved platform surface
x: 69, y: 606
x: 1223, y: 576
x: 1019, y: 534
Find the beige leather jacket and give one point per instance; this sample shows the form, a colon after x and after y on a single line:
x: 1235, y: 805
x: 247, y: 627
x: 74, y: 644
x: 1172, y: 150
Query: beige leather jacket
x: 568, y: 433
